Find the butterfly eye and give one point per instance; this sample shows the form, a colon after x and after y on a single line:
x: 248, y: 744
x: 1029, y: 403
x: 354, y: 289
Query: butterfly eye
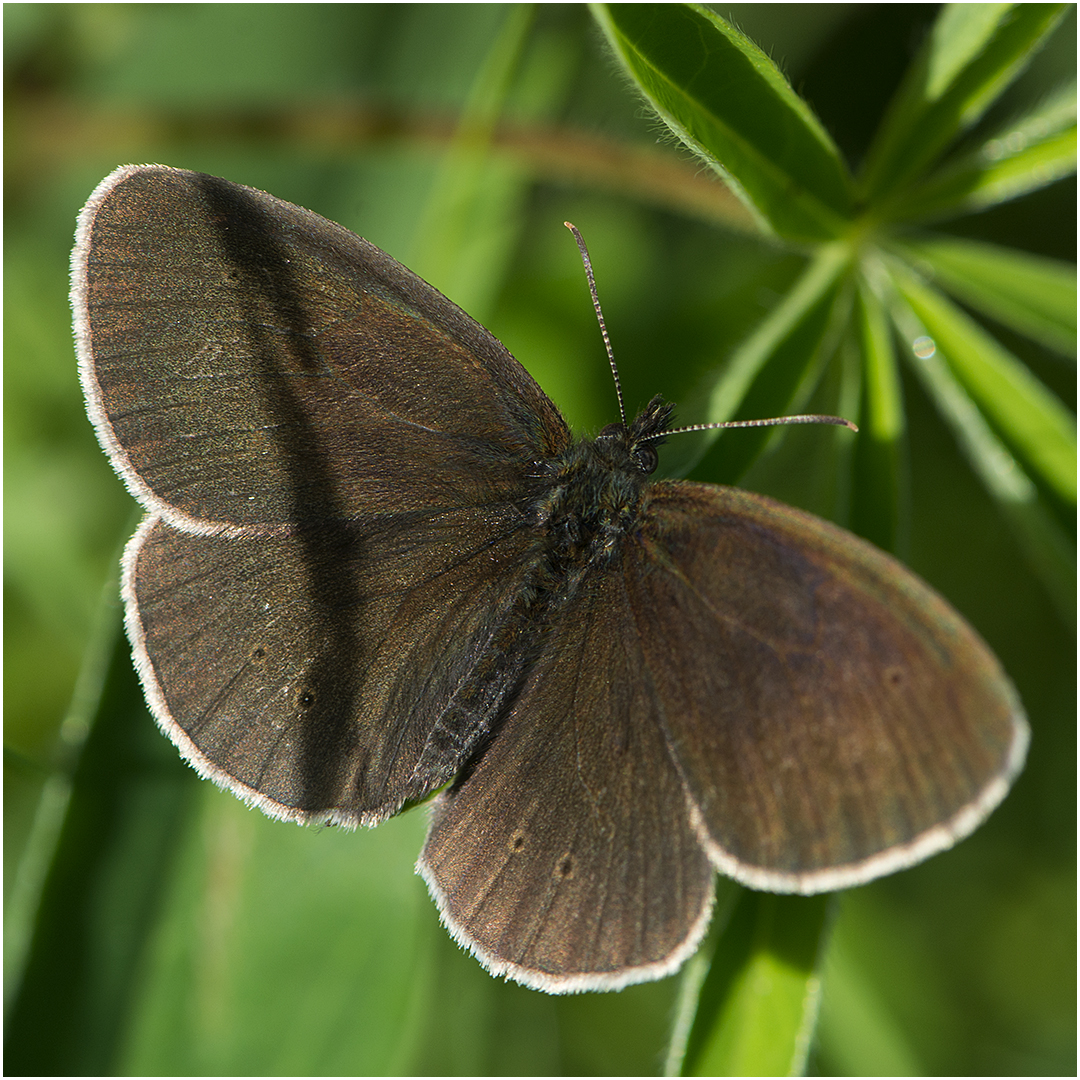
x: 611, y: 431
x: 646, y: 458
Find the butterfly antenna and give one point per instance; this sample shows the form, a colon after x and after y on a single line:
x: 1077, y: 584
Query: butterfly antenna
x: 775, y: 421
x: 599, y: 314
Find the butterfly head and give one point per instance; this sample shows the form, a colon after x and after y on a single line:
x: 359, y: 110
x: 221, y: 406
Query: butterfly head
x: 635, y: 445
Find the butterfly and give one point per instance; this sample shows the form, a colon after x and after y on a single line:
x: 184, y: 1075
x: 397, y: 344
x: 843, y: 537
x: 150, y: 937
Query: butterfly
x: 376, y: 567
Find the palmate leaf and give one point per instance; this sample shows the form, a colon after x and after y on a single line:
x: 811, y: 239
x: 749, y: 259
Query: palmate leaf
x: 973, y: 54
x: 777, y: 368
x: 726, y: 100
x: 797, y: 324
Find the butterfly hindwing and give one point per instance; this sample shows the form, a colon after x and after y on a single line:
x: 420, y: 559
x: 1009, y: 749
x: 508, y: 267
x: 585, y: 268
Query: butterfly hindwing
x: 306, y: 671
x: 566, y: 857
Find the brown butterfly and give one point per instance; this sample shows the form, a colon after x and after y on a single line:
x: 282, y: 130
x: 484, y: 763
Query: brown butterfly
x: 375, y: 564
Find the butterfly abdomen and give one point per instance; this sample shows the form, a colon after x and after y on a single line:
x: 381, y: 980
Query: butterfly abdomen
x: 587, y: 501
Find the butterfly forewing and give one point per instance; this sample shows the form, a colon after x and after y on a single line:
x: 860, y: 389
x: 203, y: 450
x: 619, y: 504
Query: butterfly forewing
x: 833, y: 718
x: 249, y: 362
x: 566, y: 858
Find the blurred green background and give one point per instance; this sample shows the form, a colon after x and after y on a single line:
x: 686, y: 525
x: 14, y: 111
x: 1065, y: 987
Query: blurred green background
x: 152, y: 924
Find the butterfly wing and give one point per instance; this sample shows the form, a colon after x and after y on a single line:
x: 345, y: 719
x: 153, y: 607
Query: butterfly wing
x: 749, y: 685
x: 249, y: 363
x: 567, y: 859
x: 832, y: 717
x: 307, y: 671
x: 333, y: 456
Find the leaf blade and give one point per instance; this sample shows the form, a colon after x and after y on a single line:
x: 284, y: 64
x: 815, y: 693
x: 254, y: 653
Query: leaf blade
x: 876, y: 505
x: 973, y: 52
x: 1029, y: 415
x: 759, y: 1002
x: 773, y: 369
x: 1048, y: 550
x: 1026, y: 156
x: 106, y: 880
x: 1033, y: 295
x: 726, y: 100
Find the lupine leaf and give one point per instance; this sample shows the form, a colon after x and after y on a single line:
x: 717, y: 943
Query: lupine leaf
x: 1029, y: 416
x: 1033, y: 295
x: 774, y: 369
x: 986, y: 179
x: 728, y: 101
x: 973, y: 52
x: 1051, y: 555
x: 876, y: 501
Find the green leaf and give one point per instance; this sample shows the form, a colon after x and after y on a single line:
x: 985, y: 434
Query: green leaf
x: 1025, y: 156
x: 857, y: 1029
x: 1048, y: 550
x: 973, y: 52
x: 758, y: 1005
x: 876, y: 499
x: 110, y: 870
x: 50, y: 814
x: 467, y: 230
x: 1030, y: 294
x: 1029, y: 415
x: 728, y: 101
x: 776, y: 367
x: 256, y: 909
x: 696, y: 971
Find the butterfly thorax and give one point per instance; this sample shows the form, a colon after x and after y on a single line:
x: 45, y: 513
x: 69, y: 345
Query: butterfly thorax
x: 592, y: 492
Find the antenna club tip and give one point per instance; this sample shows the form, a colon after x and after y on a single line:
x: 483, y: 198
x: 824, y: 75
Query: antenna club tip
x: 816, y: 418
x: 839, y: 421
